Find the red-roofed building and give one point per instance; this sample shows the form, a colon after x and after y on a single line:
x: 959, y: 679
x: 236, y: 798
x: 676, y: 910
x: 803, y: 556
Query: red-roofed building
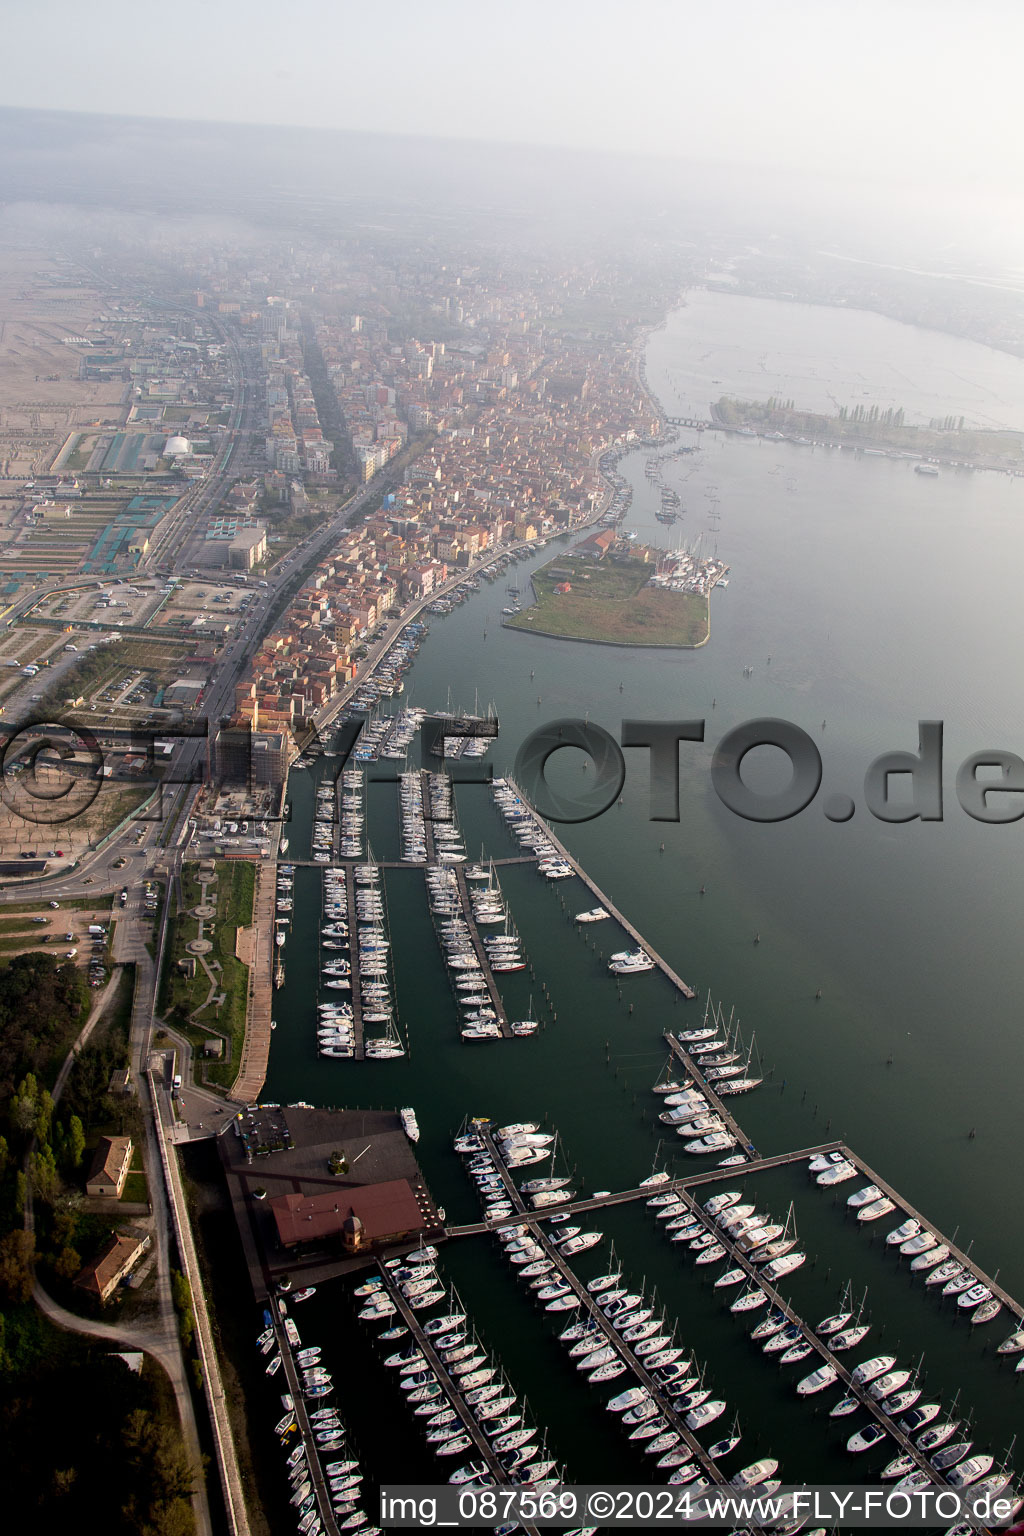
x: 360, y: 1217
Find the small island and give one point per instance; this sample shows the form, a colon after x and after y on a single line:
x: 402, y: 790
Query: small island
x: 874, y: 430
x: 618, y: 594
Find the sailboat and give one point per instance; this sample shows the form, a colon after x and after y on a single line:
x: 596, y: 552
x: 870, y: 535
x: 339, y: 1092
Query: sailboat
x: 728, y: 1443
x: 743, y: 1082
x: 776, y: 1248
x: 527, y: 1026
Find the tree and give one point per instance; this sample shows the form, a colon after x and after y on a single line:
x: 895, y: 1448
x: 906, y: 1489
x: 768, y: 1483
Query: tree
x: 63, y: 1479
x: 43, y: 1173
x: 68, y: 1263
x: 17, y: 1265
x: 74, y: 1144
x: 24, y: 1106
x: 44, y: 1115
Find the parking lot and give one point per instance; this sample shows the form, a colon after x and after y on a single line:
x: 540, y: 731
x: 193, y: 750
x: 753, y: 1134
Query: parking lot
x: 66, y: 931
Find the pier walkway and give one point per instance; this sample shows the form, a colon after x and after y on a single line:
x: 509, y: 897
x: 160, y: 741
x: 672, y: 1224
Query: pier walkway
x: 481, y: 954
x: 1008, y: 1301
x: 449, y: 1383
x: 602, y: 899
x: 693, y: 1070
x: 252, y: 1067
x: 290, y: 1371
x: 428, y: 823
x: 818, y: 1345
x: 522, y: 858
x: 588, y: 1305
x: 641, y: 1191
x: 353, y: 954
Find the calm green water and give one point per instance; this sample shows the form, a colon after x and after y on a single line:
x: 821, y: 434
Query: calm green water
x: 881, y: 598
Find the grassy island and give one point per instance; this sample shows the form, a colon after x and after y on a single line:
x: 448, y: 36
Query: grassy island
x: 609, y: 602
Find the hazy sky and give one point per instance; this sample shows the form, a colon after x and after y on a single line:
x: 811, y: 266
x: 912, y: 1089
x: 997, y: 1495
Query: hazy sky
x: 910, y: 91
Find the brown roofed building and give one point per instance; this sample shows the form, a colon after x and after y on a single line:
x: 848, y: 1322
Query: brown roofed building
x: 110, y: 1166
x: 105, y: 1272
x: 359, y: 1217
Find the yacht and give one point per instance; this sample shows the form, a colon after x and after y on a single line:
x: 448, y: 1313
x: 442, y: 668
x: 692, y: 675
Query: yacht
x: 595, y: 915
x: 869, y: 1369
x: 864, y: 1196
x: 882, y: 1386
x: 717, y: 1141
x: 818, y: 1380
x: 969, y: 1471
x: 937, y: 1435
x: 838, y: 1173
x: 876, y: 1209
x: 409, y: 1124
x: 866, y: 1439
x: 848, y: 1338
x: 757, y: 1472
x: 783, y: 1266
x: 930, y: 1258
x: 919, y: 1417
x: 749, y: 1301
x: 833, y: 1324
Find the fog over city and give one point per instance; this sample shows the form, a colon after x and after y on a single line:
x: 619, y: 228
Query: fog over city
x: 889, y: 131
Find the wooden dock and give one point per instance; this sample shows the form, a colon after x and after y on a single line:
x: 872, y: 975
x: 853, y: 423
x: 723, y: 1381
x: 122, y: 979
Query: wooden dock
x: 1008, y: 1301
x: 449, y: 1384
x: 603, y: 900
x: 588, y: 1304
x: 818, y: 1345
x: 643, y: 1191
x: 290, y: 1371
x: 693, y: 1070
x: 353, y: 952
x: 428, y: 819
x: 501, y: 1016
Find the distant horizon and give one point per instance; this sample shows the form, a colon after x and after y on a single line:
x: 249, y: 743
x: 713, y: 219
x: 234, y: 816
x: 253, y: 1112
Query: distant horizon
x: 75, y: 156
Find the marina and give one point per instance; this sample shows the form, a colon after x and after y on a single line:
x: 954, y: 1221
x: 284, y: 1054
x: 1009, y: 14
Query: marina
x: 461, y: 893
x: 543, y: 830
x: 817, y: 1043
x: 588, y: 1307
x: 468, y: 1421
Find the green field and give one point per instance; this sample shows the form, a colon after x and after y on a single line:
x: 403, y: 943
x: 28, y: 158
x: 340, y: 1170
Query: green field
x: 232, y: 893
x: 611, y: 604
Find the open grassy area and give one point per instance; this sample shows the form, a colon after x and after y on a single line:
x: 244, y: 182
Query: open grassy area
x: 610, y: 603
x: 233, y: 893
x: 135, y: 1187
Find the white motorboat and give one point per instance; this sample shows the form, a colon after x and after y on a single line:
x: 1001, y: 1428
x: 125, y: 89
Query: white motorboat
x: 838, y: 1173
x: 876, y: 1209
x: 869, y: 1369
x: 866, y: 1438
x: 818, y: 1380
x: 864, y: 1196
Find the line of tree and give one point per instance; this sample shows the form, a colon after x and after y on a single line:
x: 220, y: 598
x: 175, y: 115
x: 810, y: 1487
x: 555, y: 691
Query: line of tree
x: 893, y: 417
